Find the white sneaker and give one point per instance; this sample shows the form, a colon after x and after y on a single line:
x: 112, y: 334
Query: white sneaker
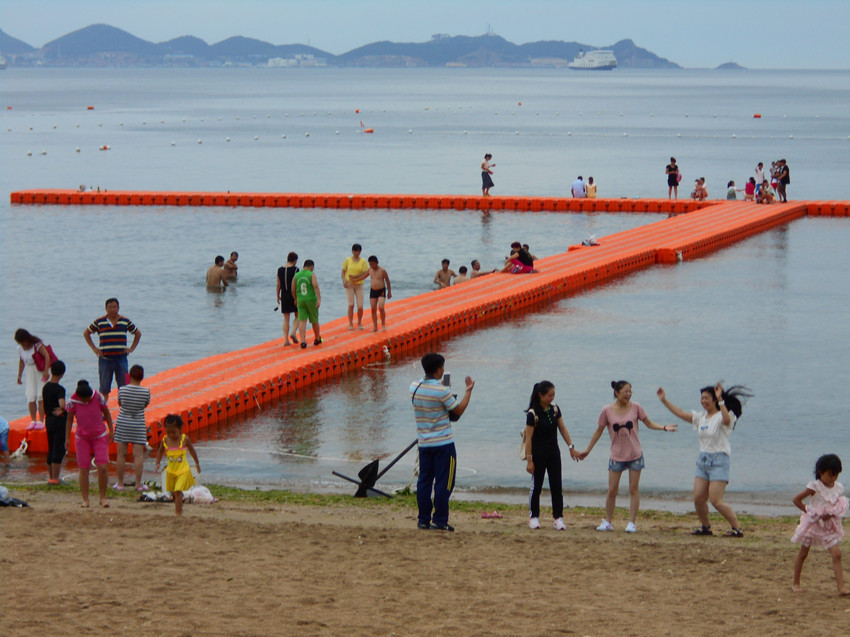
x: 605, y: 526
x: 534, y: 523
x: 559, y: 525
x: 630, y: 528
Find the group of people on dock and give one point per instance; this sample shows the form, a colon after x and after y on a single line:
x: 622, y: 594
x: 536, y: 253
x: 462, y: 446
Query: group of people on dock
x: 435, y: 407
x: 760, y: 188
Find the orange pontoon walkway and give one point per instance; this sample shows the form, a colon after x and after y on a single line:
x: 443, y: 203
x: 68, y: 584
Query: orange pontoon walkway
x: 211, y: 390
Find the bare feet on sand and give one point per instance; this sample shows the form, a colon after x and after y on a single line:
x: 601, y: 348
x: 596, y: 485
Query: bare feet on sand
x: 797, y: 588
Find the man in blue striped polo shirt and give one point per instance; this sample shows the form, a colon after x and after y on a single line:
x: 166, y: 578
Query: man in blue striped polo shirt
x: 432, y: 402
x: 112, y: 331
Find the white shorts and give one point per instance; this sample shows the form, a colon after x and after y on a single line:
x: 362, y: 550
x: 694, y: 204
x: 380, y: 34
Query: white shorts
x: 32, y: 383
x: 354, y: 292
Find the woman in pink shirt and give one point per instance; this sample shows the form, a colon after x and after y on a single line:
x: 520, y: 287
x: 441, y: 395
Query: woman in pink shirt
x: 92, y: 436
x: 621, y: 419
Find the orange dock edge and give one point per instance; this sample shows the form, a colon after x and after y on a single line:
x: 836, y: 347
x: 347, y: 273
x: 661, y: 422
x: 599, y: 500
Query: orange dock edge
x: 210, y: 391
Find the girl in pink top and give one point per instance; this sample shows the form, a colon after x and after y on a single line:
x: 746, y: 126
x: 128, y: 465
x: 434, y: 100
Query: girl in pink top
x: 820, y: 524
x: 621, y: 419
x: 92, y: 436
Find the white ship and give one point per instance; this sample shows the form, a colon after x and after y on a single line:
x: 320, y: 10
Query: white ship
x: 594, y: 61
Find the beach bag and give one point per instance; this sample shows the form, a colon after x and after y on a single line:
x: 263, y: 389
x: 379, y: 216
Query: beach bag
x: 522, y: 454
x: 679, y: 177
x: 39, y: 359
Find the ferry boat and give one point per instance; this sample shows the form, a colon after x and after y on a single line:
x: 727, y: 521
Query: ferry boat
x: 594, y: 61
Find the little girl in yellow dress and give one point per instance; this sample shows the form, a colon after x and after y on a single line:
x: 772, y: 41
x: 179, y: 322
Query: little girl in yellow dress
x: 175, y: 446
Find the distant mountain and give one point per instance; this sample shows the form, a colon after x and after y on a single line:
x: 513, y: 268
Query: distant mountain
x: 104, y: 45
x: 11, y: 46
x: 731, y: 66
x: 97, y: 40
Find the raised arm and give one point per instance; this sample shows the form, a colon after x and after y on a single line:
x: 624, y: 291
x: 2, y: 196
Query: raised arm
x: 673, y: 409
x: 461, y: 406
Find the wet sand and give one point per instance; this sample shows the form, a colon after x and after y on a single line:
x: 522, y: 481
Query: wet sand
x: 236, y: 568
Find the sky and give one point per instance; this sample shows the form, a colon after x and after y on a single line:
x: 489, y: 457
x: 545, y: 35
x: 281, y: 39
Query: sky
x: 697, y: 34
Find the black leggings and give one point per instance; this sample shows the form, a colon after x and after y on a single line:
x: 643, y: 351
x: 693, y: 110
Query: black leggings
x: 547, y: 462
x: 55, y: 442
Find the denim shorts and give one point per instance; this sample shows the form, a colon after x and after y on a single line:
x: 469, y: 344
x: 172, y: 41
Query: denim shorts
x: 107, y: 367
x: 713, y: 467
x: 632, y: 465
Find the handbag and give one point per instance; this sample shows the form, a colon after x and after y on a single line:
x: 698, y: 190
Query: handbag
x: 522, y: 454
x: 38, y: 359
x: 453, y: 417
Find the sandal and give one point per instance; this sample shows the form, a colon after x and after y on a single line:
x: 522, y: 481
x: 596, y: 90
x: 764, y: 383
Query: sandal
x: 702, y: 530
x: 739, y: 532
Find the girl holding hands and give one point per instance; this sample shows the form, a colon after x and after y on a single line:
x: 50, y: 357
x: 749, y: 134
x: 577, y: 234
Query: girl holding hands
x: 621, y: 419
x: 542, y: 424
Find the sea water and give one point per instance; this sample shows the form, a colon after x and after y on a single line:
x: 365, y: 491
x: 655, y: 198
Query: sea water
x: 766, y: 312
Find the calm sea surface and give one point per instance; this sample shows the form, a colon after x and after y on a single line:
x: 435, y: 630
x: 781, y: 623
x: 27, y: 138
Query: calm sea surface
x: 768, y: 312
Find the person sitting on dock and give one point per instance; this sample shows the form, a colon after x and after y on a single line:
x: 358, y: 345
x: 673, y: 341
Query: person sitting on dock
x: 579, y: 190
x: 520, y: 260
x: 444, y: 275
x: 700, y: 193
x: 215, y: 275
x: 765, y: 193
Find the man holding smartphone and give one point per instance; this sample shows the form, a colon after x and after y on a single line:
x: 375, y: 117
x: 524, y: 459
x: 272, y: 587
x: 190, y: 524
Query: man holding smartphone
x: 433, y: 401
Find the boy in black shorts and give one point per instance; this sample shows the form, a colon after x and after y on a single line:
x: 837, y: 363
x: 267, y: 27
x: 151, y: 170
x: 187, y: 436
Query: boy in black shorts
x: 379, y: 292
x: 55, y: 419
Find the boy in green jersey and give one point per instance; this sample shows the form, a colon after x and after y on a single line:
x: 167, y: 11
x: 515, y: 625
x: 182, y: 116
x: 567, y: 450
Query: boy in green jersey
x: 308, y: 298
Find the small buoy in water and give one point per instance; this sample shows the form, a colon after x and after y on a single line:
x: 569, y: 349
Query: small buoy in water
x: 466, y: 132
x: 516, y: 132
x: 306, y: 134
x: 77, y: 126
x: 757, y: 116
x: 44, y: 152
x: 29, y: 153
x: 410, y: 131
x: 569, y: 133
x: 89, y: 108
x: 100, y: 123
x: 184, y: 121
x: 227, y: 139
x: 8, y: 108
x: 679, y: 135
x: 357, y: 110
x: 621, y: 114
x: 625, y: 134
x: 817, y: 116
x: 336, y: 133
x: 77, y: 149
x: 519, y: 103
x: 734, y: 136
x: 144, y: 123
x: 714, y: 116
x: 30, y: 127
x: 200, y: 141
x: 173, y: 143
x: 219, y: 119
x: 162, y: 121
x: 790, y: 137
x: 105, y: 147
x: 268, y: 115
x: 256, y: 138
x: 237, y: 117
x: 283, y: 136
x: 121, y: 124
x: 54, y: 127
x: 686, y: 115
x: 652, y: 114
x: 368, y: 130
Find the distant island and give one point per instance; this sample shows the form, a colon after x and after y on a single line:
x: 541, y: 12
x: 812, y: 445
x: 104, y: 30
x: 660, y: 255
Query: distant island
x: 731, y: 66
x: 101, y: 45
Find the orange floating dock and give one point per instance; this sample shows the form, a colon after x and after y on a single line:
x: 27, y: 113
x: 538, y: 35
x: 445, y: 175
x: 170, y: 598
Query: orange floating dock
x: 212, y: 390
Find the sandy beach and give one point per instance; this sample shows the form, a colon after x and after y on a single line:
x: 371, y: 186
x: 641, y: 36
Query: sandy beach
x: 242, y: 568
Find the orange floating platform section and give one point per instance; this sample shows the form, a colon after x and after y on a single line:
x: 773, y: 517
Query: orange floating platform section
x: 209, y: 392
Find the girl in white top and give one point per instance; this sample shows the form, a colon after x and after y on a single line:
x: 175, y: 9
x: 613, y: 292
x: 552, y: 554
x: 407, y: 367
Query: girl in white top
x: 28, y: 374
x: 713, y: 425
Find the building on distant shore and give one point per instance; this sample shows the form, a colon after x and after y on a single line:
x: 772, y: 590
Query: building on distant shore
x: 302, y: 60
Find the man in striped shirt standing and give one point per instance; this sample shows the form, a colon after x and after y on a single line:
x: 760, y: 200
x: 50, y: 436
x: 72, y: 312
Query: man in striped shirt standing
x: 112, y: 331
x: 432, y: 403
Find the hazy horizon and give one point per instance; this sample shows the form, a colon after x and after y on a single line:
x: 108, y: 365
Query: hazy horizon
x: 766, y: 34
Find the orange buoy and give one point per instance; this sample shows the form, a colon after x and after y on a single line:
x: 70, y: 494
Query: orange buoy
x: 8, y: 108
x: 356, y: 110
x: 757, y: 116
x: 89, y: 108
x: 369, y: 130
x: 519, y: 103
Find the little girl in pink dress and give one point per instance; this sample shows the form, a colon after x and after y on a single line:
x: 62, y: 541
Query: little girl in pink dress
x: 820, y: 523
